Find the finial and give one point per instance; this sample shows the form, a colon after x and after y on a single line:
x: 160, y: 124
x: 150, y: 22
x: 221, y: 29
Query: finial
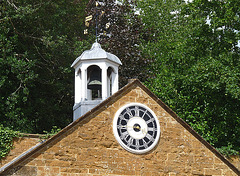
x: 96, y: 45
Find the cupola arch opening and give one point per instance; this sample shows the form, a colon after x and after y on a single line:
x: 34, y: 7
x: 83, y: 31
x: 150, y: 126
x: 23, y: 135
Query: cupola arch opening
x: 94, y: 82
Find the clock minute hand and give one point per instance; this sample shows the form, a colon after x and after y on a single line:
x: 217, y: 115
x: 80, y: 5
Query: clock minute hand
x: 135, y: 127
x: 125, y: 126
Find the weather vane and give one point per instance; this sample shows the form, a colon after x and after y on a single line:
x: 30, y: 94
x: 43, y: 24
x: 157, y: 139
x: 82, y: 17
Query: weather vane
x: 90, y: 17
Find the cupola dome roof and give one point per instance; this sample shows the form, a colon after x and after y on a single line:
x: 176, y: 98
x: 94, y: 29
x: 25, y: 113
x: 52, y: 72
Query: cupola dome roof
x: 96, y: 52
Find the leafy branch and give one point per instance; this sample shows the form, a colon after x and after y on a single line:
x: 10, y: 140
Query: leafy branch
x: 6, y: 140
x: 53, y: 131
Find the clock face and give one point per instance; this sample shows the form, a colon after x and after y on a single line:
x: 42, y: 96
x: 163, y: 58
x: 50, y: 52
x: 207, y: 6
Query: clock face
x: 136, y: 128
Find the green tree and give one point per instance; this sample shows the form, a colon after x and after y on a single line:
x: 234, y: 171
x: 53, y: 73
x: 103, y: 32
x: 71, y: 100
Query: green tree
x: 215, y: 73
x: 16, y: 74
x: 38, y: 39
x: 196, y: 67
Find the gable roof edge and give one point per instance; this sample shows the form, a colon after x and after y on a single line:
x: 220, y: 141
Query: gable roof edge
x: 36, y: 148
x: 10, y: 165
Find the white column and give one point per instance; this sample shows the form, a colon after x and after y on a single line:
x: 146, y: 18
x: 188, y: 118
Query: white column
x: 84, y: 84
x: 77, y: 86
x: 115, y: 82
x: 108, y: 86
x: 104, y: 82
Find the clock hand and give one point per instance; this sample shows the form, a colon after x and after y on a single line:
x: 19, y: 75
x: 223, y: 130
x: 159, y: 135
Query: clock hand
x: 125, y: 126
x: 134, y: 127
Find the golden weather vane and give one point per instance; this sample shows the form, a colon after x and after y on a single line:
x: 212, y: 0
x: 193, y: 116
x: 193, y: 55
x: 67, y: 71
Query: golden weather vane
x: 90, y: 17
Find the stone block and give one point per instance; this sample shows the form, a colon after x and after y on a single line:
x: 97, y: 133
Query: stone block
x: 36, y: 162
x: 209, y: 171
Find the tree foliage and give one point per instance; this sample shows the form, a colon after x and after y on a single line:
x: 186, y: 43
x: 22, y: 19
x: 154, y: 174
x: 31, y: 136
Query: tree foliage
x: 37, y: 43
x: 6, y: 140
x: 196, y: 66
x: 16, y: 68
x: 186, y: 53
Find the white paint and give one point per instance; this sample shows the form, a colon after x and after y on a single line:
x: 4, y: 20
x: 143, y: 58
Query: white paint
x: 104, y: 60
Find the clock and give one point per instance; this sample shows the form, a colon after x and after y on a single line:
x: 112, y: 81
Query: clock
x: 136, y: 128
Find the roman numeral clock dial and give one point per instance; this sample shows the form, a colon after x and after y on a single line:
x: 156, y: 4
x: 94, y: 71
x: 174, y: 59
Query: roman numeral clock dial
x: 136, y: 128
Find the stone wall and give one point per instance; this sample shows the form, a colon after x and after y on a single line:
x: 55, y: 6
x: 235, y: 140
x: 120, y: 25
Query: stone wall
x: 90, y: 148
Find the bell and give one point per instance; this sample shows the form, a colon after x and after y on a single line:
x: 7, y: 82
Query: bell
x: 95, y: 80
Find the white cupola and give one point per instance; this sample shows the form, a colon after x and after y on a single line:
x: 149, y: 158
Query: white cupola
x: 96, y: 78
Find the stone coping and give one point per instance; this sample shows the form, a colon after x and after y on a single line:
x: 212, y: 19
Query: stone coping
x: 32, y: 135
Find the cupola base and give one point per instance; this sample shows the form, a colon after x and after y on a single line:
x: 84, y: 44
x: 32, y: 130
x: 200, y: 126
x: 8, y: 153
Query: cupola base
x: 83, y: 107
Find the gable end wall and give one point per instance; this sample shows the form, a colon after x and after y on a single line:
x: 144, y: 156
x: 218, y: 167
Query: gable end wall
x: 90, y: 148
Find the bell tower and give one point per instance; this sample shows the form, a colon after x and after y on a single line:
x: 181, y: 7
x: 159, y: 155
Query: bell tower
x: 96, y: 78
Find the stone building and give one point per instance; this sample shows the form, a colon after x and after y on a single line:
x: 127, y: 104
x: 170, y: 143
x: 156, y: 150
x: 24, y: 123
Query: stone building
x: 131, y: 132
